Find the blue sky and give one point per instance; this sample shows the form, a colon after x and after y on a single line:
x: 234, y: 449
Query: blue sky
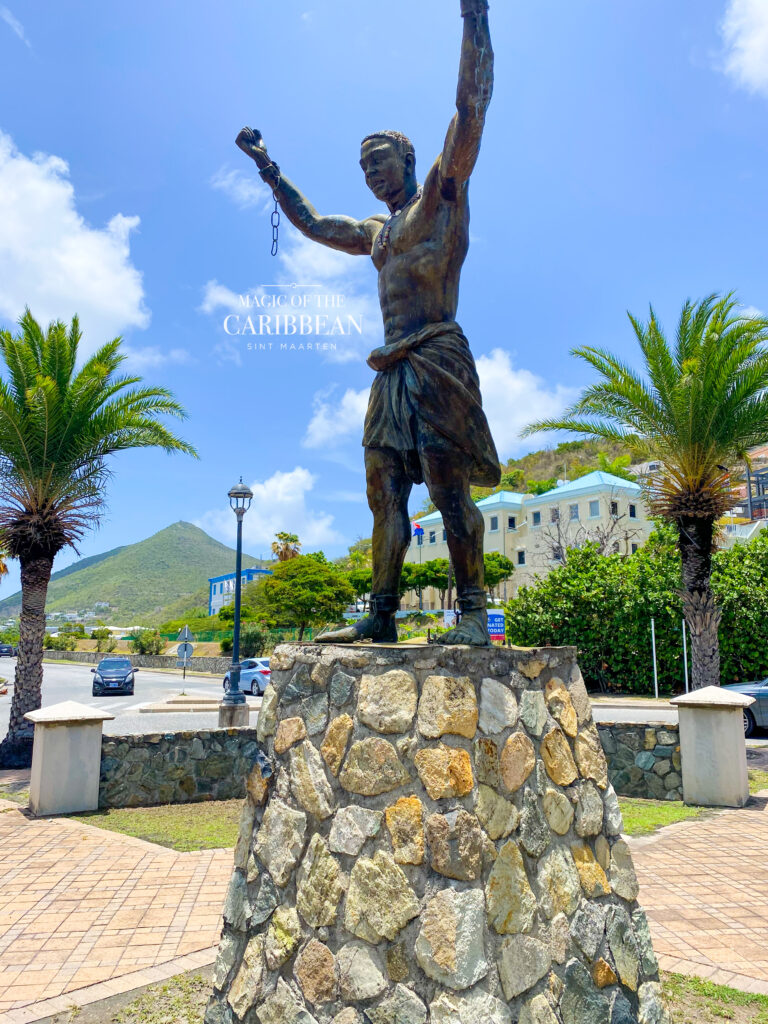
x: 623, y: 162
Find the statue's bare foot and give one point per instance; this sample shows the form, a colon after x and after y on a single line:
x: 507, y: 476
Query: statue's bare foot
x: 378, y: 627
x: 471, y: 630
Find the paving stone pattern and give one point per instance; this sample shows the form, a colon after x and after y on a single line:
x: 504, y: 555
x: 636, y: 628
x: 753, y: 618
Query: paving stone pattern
x: 176, y: 767
x: 643, y: 760
x: 446, y: 848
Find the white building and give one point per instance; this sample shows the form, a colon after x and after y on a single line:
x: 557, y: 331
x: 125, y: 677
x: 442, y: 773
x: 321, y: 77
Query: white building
x: 536, y: 531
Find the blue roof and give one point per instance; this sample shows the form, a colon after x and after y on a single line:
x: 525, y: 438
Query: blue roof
x: 498, y: 499
x: 595, y: 481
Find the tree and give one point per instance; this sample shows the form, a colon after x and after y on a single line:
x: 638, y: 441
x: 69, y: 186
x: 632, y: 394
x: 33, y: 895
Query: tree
x: 433, y: 573
x: 303, y: 591
x: 105, y: 642
x: 697, y: 408
x: 147, y: 641
x: 360, y: 580
x: 58, y: 427
x: 286, y: 546
x: 497, y: 569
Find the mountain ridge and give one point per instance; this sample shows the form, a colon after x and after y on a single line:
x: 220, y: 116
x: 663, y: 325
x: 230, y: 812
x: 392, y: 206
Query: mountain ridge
x: 138, y: 580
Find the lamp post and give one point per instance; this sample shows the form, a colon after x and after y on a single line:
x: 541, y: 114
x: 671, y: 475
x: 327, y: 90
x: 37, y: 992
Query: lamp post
x: 233, y: 709
x: 418, y: 533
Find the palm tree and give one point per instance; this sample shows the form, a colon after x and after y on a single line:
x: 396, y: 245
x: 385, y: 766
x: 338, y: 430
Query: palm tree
x: 58, y: 425
x: 286, y: 547
x: 699, y: 406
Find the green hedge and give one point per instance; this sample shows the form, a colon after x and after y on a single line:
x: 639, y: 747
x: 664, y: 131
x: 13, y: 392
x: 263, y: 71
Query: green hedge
x: 603, y: 604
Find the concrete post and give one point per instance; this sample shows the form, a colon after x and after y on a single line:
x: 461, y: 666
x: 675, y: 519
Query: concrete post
x: 66, y: 758
x: 234, y: 716
x: 712, y: 747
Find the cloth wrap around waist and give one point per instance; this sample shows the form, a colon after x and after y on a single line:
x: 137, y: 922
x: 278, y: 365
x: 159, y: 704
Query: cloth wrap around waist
x: 426, y: 397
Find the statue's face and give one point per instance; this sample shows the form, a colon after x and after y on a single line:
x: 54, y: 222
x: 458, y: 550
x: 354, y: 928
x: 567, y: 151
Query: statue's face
x: 384, y: 168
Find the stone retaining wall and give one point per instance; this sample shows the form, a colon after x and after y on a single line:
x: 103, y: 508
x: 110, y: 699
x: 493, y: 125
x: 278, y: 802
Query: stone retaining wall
x: 217, y: 666
x: 643, y: 760
x: 176, y: 767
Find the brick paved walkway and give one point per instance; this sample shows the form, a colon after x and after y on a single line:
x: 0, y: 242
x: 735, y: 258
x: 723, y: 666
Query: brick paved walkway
x: 86, y: 913
x: 704, y: 886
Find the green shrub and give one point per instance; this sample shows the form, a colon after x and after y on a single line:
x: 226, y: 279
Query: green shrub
x: 253, y: 642
x: 105, y: 642
x: 603, y: 604
x: 147, y: 641
x: 59, y: 643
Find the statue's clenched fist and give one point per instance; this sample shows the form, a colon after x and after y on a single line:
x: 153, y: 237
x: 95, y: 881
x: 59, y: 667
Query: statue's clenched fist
x: 251, y: 142
x: 473, y: 7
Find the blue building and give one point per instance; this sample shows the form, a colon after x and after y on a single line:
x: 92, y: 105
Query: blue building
x: 221, y: 589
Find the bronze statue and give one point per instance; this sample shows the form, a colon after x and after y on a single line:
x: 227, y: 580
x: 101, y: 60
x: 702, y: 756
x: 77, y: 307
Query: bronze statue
x: 425, y: 421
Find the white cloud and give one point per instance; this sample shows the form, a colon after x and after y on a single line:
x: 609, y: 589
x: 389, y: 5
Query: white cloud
x: 244, y: 190
x: 745, y: 31
x: 513, y: 398
x: 217, y: 296
x: 53, y: 261
x: 150, y: 357
x: 14, y: 24
x: 334, y: 421
x: 279, y: 503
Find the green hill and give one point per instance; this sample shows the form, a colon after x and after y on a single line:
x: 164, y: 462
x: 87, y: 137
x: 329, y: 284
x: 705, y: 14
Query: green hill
x: 139, y: 580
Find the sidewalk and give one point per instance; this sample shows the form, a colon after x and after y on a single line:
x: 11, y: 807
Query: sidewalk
x: 704, y: 887
x: 86, y: 913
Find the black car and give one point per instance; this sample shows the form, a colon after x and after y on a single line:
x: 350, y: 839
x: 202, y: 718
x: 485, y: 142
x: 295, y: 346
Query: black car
x: 7, y: 651
x: 113, y: 675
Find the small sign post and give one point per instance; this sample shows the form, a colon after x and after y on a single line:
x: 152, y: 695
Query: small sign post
x: 185, y: 650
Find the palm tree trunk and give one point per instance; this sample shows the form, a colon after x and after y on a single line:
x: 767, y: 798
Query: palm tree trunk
x: 701, y: 612
x: 16, y: 748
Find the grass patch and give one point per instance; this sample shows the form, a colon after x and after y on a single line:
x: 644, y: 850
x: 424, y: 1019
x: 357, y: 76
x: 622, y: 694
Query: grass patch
x: 693, y: 1001
x: 758, y: 780
x: 181, y: 1000
x: 642, y: 817
x: 18, y: 792
x: 183, y: 827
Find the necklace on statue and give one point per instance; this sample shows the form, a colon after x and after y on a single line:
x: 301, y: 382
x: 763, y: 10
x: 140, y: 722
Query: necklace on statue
x: 386, y: 231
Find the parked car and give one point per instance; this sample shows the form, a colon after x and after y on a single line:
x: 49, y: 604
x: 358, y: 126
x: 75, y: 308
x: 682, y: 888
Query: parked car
x: 254, y: 676
x: 113, y: 675
x: 7, y: 651
x: 756, y: 716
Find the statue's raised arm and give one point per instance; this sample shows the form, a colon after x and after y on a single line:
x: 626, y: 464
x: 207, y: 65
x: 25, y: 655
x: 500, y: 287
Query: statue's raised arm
x: 337, y: 232
x: 462, y: 143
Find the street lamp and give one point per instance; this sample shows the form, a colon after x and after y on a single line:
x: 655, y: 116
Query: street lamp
x: 240, y: 497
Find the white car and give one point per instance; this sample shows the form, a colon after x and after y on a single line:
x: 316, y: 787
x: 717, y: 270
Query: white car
x: 254, y: 676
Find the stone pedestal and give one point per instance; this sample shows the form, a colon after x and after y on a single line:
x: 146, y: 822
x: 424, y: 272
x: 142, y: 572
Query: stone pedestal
x: 437, y: 842
x: 234, y: 716
x: 66, y: 758
x: 712, y: 747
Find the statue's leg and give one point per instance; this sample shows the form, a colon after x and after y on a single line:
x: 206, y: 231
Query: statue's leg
x: 388, y: 487
x: 447, y: 478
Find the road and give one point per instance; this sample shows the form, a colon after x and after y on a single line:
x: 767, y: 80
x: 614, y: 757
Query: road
x: 73, y: 682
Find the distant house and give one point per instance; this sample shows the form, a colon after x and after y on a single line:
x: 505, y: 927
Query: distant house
x: 221, y: 589
x: 536, y: 531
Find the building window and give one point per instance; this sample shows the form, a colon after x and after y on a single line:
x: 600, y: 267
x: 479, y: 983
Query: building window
x: 574, y: 513
x: 445, y: 536
x: 432, y: 537
x: 634, y: 549
x: 537, y: 518
x: 511, y: 523
x: 494, y: 524
x: 633, y: 511
x: 521, y: 558
x: 554, y: 515
x: 594, y: 509
x: 615, y: 509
